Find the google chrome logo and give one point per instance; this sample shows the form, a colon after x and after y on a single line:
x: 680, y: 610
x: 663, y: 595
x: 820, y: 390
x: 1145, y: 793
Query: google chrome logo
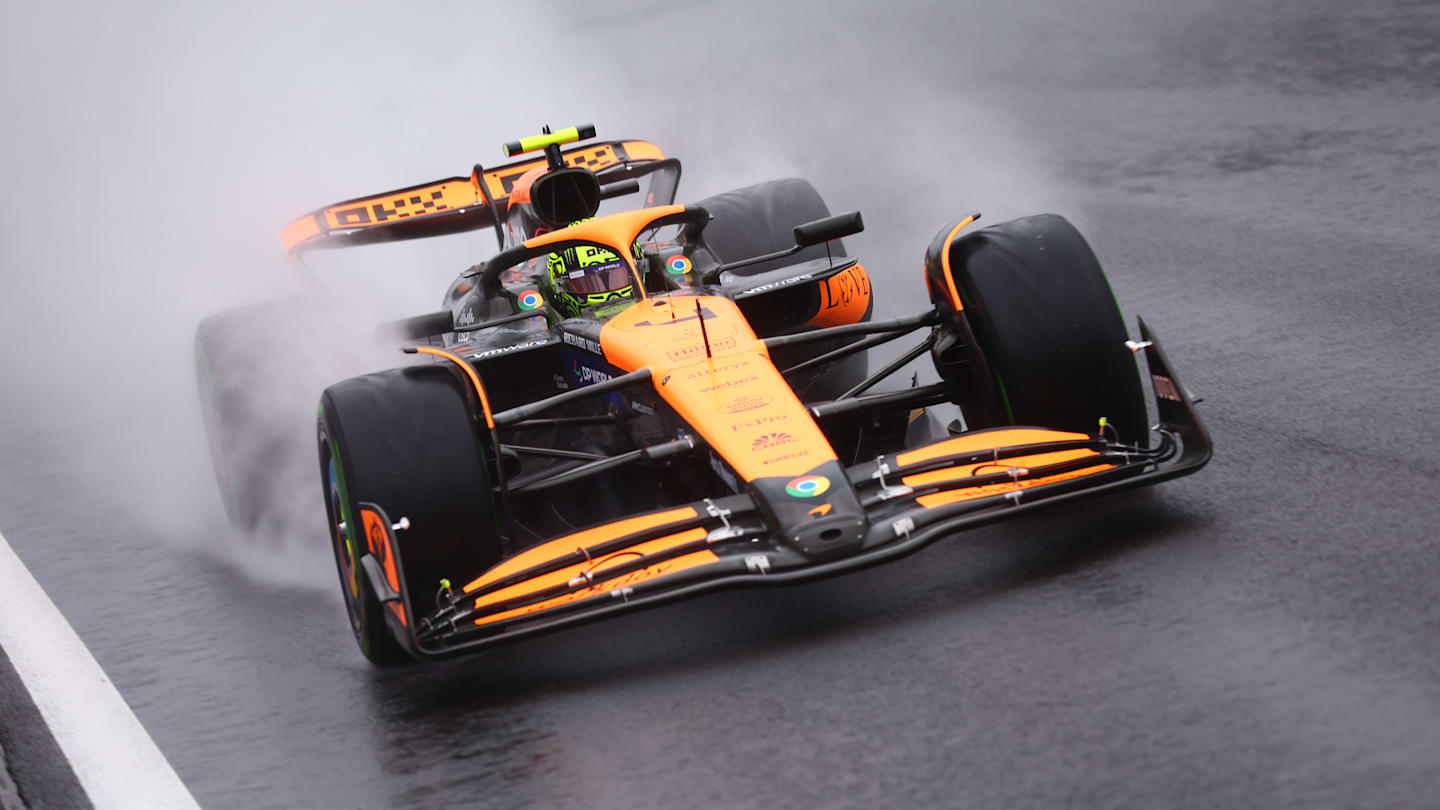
x: 807, y: 486
x: 529, y: 299
x: 678, y: 265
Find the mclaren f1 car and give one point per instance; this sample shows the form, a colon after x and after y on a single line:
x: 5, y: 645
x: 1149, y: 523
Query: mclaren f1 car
x: 697, y: 408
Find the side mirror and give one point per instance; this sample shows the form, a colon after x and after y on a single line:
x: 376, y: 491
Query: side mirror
x: 823, y: 230
x: 610, y: 191
x: 811, y: 233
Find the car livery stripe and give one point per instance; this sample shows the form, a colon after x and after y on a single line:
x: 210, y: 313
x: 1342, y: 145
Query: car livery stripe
x: 963, y: 493
x: 579, y: 541
x: 998, y: 439
x: 566, y: 575
x: 945, y: 263
x: 961, y: 472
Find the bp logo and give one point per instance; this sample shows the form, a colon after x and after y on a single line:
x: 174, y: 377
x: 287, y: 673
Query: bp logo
x: 529, y: 299
x: 678, y: 265
x: 807, y: 486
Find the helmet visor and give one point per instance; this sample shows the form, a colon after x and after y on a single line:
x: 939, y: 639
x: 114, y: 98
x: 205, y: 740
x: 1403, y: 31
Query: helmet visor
x: 601, y: 278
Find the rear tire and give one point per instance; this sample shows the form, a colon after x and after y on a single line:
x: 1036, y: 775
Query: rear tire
x: 760, y: 219
x: 257, y: 384
x: 1043, y: 334
x: 406, y: 439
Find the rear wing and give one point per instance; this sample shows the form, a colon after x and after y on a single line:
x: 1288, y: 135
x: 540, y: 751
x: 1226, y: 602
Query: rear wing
x: 448, y: 206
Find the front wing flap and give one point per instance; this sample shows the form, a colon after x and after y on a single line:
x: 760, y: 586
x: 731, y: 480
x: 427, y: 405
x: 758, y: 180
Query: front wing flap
x: 911, y: 498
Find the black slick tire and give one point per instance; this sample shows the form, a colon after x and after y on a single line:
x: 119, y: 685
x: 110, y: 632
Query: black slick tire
x: 407, y: 440
x: 1044, y: 331
x: 760, y: 219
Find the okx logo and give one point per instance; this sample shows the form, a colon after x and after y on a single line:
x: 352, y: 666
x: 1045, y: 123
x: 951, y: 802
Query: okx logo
x: 807, y: 486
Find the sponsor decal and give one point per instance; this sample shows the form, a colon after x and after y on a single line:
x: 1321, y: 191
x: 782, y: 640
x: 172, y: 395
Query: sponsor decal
x: 776, y: 284
x: 678, y: 265
x: 412, y: 204
x: 807, y: 486
x: 503, y: 349
x: 725, y: 385
x: 466, y: 317
x: 581, y: 342
x: 640, y: 407
x: 767, y: 441
x: 710, y: 371
x: 788, y: 456
x: 842, y: 288
x: 587, y: 375
x: 844, y: 298
x: 758, y: 421
x: 1165, y: 388
x: 695, y: 350
x: 820, y: 511
x: 741, y: 404
x: 528, y: 300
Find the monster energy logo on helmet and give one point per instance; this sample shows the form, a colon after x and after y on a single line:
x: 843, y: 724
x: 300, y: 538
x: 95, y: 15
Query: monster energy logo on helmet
x: 585, y: 276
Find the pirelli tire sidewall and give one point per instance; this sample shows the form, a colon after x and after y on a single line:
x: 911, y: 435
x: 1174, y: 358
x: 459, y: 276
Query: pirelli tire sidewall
x: 1042, y: 335
x: 410, y: 440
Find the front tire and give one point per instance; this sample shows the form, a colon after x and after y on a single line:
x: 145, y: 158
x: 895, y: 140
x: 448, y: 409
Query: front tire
x: 406, y: 439
x: 1041, y: 334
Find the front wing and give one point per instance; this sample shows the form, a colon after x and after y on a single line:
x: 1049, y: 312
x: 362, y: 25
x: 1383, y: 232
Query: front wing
x: 911, y: 498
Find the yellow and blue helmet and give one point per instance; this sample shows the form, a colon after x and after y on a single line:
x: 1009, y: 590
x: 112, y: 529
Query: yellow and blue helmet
x: 584, y: 276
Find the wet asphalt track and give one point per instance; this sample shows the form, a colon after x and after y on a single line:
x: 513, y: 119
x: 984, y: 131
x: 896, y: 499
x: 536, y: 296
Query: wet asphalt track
x: 1262, y: 186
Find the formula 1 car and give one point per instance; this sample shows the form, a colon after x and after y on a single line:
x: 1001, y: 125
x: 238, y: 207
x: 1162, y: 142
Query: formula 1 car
x: 698, y: 413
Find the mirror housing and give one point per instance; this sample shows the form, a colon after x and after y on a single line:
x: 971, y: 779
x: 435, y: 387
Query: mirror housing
x: 824, y: 230
x: 610, y: 191
x: 811, y: 233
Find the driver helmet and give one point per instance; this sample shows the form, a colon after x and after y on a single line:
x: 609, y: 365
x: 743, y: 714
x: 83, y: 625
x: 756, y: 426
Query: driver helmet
x: 585, y: 276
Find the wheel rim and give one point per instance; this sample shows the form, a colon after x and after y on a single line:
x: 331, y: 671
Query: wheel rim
x: 341, y: 543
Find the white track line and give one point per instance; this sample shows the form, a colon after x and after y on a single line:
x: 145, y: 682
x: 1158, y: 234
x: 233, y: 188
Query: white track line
x: 114, y: 758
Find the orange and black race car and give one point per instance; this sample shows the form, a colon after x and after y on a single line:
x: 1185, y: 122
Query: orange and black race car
x: 618, y: 410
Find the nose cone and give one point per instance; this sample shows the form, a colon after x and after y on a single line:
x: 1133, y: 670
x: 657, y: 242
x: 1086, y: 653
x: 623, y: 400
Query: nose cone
x: 818, y: 513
